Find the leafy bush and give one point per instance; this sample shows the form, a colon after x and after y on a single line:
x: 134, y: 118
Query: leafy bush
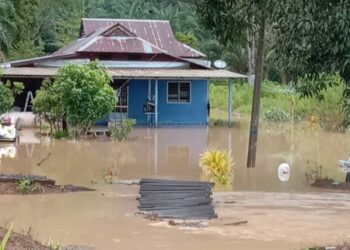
x: 85, y: 94
x: 6, y: 98
x: 276, y: 115
x: 47, y: 104
x: 60, y: 134
x: 326, y: 105
x: 217, y: 166
x: 23, y: 186
x: 121, y: 132
x: 7, y: 94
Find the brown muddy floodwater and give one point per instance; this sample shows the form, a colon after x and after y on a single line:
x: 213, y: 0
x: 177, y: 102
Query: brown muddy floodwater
x: 105, y: 219
x: 174, y: 153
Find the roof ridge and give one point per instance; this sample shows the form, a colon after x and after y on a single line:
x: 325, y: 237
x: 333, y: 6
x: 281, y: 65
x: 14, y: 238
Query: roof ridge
x: 126, y: 19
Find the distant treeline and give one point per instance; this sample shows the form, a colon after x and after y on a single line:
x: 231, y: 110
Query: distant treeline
x: 30, y: 28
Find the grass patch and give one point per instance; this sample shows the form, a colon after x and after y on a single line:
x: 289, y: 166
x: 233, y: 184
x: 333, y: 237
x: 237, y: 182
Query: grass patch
x: 280, y: 103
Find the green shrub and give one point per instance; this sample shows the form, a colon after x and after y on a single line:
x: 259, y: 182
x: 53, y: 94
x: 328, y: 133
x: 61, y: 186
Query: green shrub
x: 25, y: 186
x: 217, y: 166
x: 86, y: 95
x: 120, y: 132
x: 48, y: 106
x: 60, y: 134
x: 8, y: 91
x: 276, y: 115
x: 327, y: 106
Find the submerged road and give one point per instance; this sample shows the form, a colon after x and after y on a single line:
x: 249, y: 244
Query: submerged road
x: 294, y: 219
x: 105, y: 219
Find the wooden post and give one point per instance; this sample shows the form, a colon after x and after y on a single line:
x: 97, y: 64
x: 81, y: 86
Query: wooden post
x: 229, y: 102
x: 254, y: 122
x: 156, y: 103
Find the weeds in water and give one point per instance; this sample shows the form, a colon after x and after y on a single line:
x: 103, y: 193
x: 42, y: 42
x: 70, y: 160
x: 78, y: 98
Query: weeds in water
x: 53, y: 245
x: 218, y: 122
x: 4, y: 241
x: 276, y: 115
x: 217, y: 167
x: 315, y: 172
x: 25, y: 186
x: 121, y: 132
x: 61, y: 134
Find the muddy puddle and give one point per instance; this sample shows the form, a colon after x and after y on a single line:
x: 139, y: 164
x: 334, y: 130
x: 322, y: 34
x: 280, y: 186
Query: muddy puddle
x: 174, y: 153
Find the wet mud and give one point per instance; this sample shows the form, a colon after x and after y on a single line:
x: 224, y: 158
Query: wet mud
x: 21, y: 241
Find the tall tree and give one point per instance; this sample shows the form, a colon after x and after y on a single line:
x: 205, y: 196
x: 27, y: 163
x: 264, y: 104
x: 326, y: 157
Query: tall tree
x: 312, y: 39
x: 7, y: 27
x: 231, y: 21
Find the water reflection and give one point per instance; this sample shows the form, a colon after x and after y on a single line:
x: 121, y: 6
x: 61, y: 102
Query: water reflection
x: 174, y: 153
x: 8, y: 151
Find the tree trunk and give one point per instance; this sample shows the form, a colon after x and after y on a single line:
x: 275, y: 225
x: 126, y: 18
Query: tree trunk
x: 346, y: 99
x: 254, y: 122
x: 251, y: 55
x: 64, y: 125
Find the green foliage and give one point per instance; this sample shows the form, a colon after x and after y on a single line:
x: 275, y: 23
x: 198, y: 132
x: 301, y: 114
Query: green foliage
x: 217, y: 166
x: 4, y: 241
x: 326, y: 106
x: 60, y: 134
x: 7, y: 27
x: 48, y: 105
x: 45, y: 26
x: 25, y: 49
x: 86, y: 95
x: 272, y: 95
x: 276, y: 115
x: 6, y: 98
x: 188, y: 39
x: 23, y: 186
x: 7, y: 94
x: 312, y: 42
x: 120, y: 132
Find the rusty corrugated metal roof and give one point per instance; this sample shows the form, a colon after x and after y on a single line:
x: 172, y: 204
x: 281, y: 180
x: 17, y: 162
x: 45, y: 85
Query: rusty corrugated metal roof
x: 111, y: 36
x: 120, y: 45
x: 132, y: 73
x: 157, y: 32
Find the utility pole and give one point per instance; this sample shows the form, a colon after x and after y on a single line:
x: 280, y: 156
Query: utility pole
x: 254, y: 122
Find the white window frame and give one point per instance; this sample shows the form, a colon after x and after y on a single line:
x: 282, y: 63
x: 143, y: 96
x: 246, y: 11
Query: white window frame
x: 178, y: 102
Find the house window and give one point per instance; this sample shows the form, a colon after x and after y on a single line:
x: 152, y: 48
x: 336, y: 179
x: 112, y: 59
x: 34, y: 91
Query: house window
x: 179, y: 92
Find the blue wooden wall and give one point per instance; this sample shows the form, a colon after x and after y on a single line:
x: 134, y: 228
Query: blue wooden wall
x: 194, y: 112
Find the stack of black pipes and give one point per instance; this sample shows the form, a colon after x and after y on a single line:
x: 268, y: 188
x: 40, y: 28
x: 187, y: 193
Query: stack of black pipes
x: 176, y: 199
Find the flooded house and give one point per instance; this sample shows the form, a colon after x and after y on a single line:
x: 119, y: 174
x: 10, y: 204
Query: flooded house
x: 156, y: 78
